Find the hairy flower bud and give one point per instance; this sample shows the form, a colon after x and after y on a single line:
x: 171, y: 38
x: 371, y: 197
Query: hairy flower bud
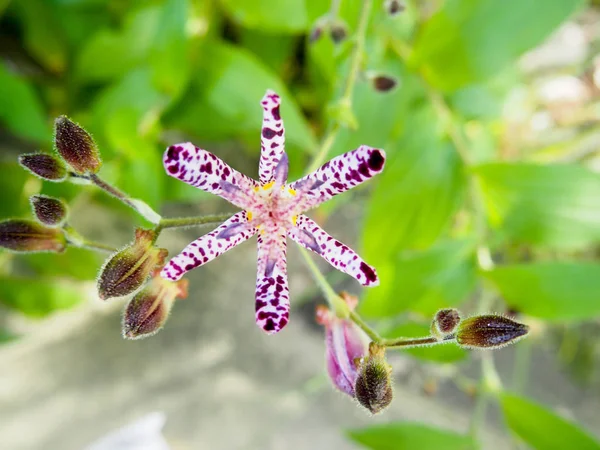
x: 373, y: 386
x: 384, y: 83
x: 29, y: 236
x: 444, y: 323
x: 128, y: 269
x: 48, y: 210
x: 44, y: 166
x: 76, y: 146
x: 148, y: 310
x: 394, y: 7
x: 345, y: 344
x: 489, y: 331
x: 338, y: 32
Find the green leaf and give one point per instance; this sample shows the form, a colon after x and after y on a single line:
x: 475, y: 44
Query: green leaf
x: 76, y: 263
x: 424, y: 281
x: 170, y: 57
x: 274, y: 51
x: 410, y: 436
x: 15, y: 201
x: 38, y: 297
x: 125, y: 110
x: 443, y: 353
x: 43, y: 34
x: 21, y: 110
x: 289, y: 16
x: 541, y: 428
x: 417, y: 193
x: 143, y: 178
x: 553, y: 205
x: 481, y: 37
x: 552, y: 291
x: 109, y: 54
x: 226, y: 92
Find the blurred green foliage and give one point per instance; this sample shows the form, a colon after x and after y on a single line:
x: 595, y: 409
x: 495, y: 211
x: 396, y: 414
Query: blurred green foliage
x: 139, y: 73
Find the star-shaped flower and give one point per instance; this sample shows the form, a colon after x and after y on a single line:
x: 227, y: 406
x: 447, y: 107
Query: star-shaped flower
x: 273, y: 210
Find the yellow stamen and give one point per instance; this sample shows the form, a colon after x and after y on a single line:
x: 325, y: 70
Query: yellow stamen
x: 294, y: 220
x: 291, y: 191
x: 249, y: 215
x: 269, y: 185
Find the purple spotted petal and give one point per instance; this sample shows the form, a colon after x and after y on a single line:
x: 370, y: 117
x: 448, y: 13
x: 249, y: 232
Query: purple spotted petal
x: 209, y: 246
x: 272, y: 294
x: 206, y: 171
x: 338, y: 175
x: 334, y: 252
x: 272, y: 137
x: 344, y: 344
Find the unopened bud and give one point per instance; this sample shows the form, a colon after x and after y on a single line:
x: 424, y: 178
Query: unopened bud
x: 384, y: 83
x: 489, y: 331
x: 48, y: 210
x: 44, y: 166
x: 76, y: 146
x: 127, y: 270
x: 149, y: 309
x: 338, y: 32
x: 373, y: 386
x: 315, y: 33
x: 445, y: 322
x: 394, y: 7
x: 29, y: 236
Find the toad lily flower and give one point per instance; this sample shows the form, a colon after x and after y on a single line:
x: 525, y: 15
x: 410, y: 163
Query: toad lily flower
x: 273, y: 210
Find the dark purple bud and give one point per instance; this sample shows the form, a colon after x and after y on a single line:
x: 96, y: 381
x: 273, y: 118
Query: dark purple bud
x: 29, y: 236
x: 149, y: 309
x: 76, y: 146
x: 48, y: 210
x: 445, y: 322
x: 338, y: 32
x: 394, y: 7
x: 489, y: 331
x: 128, y: 269
x: 44, y: 166
x: 315, y: 34
x: 373, y: 386
x: 384, y: 83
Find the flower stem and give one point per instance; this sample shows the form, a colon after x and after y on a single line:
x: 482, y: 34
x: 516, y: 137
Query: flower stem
x: 413, y: 342
x: 356, y: 59
x: 111, y: 190
x: 75, y: 239
x: 359, y: 47
x: 142, y: 208
x: 365, y: 327
x: 183, y: 222
x: 99, y: 246
x: 335, y: 302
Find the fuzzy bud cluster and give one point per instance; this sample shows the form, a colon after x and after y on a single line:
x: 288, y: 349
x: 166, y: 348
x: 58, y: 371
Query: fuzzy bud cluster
x: 128, y: 269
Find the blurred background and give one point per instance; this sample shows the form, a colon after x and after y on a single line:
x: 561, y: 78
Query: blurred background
x: 489, y: 113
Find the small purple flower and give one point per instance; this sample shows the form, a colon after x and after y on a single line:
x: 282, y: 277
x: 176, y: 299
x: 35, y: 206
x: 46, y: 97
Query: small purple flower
x: 272, y: 209
x: 345, y: 346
